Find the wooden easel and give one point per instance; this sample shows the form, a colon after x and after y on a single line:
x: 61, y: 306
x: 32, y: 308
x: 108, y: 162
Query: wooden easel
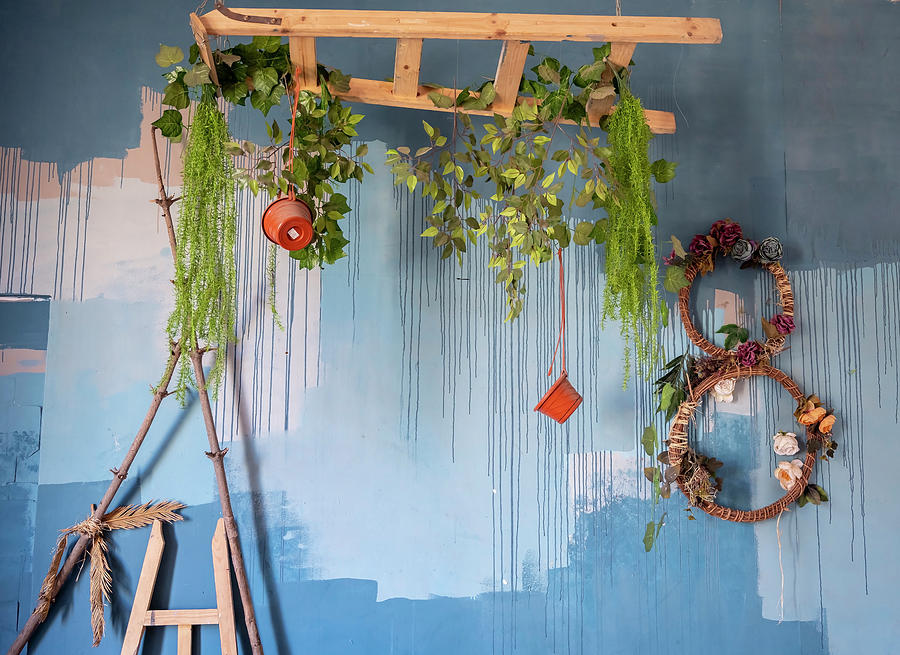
x: 222, y: 615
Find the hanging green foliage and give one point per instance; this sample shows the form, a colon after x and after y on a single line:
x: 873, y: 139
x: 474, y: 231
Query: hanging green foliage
x: 205, y: 272
x: 530, y: 164
x: 261, y: 72
x: 631, y: 296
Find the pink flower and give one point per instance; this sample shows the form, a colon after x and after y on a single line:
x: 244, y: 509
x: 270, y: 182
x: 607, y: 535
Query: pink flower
x: 668, y: 261
x: 748, y: 353
x: 700, y: 245
x: 726, y: 232
x: 784, y: 324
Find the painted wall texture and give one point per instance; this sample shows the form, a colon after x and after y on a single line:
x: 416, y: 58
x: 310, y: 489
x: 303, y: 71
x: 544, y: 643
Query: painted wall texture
x: 395, y: 492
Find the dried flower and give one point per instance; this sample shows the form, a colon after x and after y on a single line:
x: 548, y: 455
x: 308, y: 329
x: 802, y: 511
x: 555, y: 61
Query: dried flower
x: 784, y: 324
x: 812, y: 416
x: 743, y: 250
x: 788, y: 473
x: 785, y: 443
x: 726, y: 232
x: 668, y: 261
x: 827, y: 424
x: 748, y: 353
x: 723, y: 391
x: 700, y: 245
x: 770, y: 250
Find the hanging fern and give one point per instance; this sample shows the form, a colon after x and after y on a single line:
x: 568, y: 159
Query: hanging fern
x: 631, y: 295
x: 205, y: 298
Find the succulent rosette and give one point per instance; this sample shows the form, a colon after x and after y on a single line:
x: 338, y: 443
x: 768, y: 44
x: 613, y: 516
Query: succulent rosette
x: 770, y: 250
x: 743, y: 250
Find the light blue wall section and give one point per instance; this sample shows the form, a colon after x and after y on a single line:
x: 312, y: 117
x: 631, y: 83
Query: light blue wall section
x: 394, y: 489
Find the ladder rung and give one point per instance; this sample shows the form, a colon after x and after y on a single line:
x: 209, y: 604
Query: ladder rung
x: 182, y: 617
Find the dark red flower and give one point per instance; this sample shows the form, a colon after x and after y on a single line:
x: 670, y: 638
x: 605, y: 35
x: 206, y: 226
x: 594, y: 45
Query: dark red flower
x: 726, y: 232
x: 748, y: 353
x: 700, y: 245
x: 784, y: 324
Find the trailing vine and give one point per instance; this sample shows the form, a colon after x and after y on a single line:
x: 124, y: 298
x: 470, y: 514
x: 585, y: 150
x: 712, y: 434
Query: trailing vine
x: 205, y: 291
x: 261, y: 72
x: 509, y: 161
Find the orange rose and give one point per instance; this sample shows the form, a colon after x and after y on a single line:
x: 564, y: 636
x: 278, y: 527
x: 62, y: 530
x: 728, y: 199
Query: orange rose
x: 812, y: 416
x: 827, y: 423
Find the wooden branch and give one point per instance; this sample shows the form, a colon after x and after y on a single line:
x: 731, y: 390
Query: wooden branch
x: 303, y: 56
x: 509, y: 75
x: 78, y: 550
x: 407, y: 61
x: 202, y: 39
x: 468, y: 25
x: 376, y: 92
x: 231, y: 529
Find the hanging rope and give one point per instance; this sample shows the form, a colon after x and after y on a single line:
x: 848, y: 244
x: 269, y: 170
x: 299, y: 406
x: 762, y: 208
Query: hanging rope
x: 293, y: 123
x: 562, y: 322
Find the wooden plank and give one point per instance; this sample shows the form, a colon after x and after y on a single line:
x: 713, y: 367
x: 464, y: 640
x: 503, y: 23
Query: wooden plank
x: 509, y: 75
x: 202, y: 39
x: 303, y: 56
x: 407, y: 61
x: 144, y: 591
x: 376, y: 92
x: 184, y: 640
x: 222, y: 573
x: 468, y: 25
x: 619, y: 56
x: 181, y: 617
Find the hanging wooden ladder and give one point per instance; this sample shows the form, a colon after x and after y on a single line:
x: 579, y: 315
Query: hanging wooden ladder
x: 410, y: 28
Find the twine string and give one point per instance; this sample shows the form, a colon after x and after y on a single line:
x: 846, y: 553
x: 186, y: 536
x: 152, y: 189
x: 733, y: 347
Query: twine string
x: 561, y: 338
x: 293, y: 123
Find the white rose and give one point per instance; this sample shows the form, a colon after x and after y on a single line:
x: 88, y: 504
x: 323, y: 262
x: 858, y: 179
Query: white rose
x: 724, y: 390
x: 786, y: 443
x: 788, y: 473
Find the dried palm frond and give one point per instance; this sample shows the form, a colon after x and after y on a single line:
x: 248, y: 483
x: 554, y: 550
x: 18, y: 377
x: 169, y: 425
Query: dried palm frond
x: 121, y: 518
x: 101, y: 587
x: 127, y: 517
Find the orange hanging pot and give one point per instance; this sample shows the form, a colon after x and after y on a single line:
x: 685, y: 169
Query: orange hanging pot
x: 561, y: 399
x: 288, y: 222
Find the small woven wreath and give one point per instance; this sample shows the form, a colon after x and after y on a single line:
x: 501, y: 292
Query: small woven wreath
x: 693, y: 473
x: 726, y: 238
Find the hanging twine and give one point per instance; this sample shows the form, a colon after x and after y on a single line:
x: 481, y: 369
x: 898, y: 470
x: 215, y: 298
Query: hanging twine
x: 126, y: 517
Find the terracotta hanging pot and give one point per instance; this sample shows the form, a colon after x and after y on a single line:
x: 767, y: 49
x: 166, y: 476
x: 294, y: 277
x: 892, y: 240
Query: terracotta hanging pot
x: 288, y: 222
x: 561, y: 400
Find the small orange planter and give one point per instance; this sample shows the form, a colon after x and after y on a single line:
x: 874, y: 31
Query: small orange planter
x: 288, y: 223
x: 561, y: 400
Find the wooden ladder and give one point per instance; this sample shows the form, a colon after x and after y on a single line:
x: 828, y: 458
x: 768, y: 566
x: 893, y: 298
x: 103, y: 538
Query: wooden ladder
x: 222, y: 615
x: 410, y: 28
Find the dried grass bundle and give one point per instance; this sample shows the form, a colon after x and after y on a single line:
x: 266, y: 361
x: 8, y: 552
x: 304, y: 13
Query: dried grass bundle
x: 126, y: 517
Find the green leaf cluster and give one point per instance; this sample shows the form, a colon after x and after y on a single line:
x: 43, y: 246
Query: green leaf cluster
x: 510, y: 161
x: 735, y: 335
x: 261, y: 72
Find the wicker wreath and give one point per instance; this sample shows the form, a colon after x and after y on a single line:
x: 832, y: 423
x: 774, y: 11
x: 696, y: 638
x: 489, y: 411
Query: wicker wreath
x: 678, y: 445
x: 726, y: 237
x: 772, y: 345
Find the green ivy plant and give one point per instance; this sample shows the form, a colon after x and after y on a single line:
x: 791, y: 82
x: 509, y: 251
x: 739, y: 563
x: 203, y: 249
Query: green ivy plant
x: 261, y: 72
x: 511, y: 162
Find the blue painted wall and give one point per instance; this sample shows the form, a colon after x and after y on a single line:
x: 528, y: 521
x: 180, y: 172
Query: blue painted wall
x: 395, y: 492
